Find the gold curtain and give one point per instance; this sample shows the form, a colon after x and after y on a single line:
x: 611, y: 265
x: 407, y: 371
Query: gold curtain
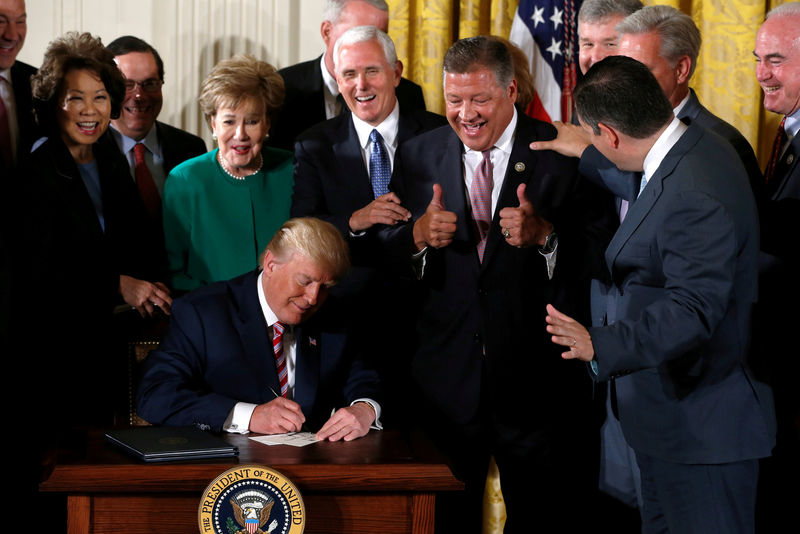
x: 724, y: 80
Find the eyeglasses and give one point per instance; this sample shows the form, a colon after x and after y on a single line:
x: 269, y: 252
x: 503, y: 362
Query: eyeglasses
x: 151, y: 85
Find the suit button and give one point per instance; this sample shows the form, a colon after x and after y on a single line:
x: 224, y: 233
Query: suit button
x: 477, y: 337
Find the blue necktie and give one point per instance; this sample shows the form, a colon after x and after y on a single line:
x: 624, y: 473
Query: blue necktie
x: 380, y: 170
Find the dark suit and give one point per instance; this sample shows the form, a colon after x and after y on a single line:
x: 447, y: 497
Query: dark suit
x: 683, y: 265
x: 178, y: 145
x: 304, y: 103
x: 492, y: 381
x: 331, y: 182
x: 21, y: 82
x: 777, y: 315
x: 70, y: 265
x: 196, y: 378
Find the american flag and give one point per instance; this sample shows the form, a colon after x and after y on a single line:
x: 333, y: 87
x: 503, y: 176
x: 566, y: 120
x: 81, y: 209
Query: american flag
x: 547, y: 31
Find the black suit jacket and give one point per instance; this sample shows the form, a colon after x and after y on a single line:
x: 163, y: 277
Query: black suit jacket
x: 304, y: 103
x: 330, y: 179
x: 21, y: 80
x: 197, y: 378
x: 178, y: 145
x: 498, y: 304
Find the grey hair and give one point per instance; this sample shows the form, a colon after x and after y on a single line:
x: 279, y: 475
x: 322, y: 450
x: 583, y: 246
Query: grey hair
x: 594, y: 11
x: 361, y: 34
x: 677, y: 31
x: 315, y: 239
x: 784, y: 10
x: 333, y: 9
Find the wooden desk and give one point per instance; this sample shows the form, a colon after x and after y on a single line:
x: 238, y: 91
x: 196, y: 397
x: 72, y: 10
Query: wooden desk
x: 384, y: 482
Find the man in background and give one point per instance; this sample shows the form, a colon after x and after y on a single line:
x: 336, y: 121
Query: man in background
x: 312, y: 94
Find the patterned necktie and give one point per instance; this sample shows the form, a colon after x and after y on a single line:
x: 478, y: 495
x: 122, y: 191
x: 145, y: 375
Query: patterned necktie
x: 280, y: 359
x: 380, y: 170
x: 6, y: 152
x: 480, y: 196
x: 780, y: 137
x: 145, y: 183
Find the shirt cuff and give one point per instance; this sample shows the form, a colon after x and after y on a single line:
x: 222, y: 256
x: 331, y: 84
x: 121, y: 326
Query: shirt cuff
x: 238, y: 421
x: 550, y: 258
x: 377, y: 425
x: 418, y: 262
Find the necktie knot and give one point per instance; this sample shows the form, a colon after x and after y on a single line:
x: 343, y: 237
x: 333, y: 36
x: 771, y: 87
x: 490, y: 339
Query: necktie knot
x: 138, y: 153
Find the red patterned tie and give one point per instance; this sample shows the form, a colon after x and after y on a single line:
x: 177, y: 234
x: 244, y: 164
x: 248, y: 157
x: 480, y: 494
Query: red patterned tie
x: 280, y: 359
x: 480, y: 196
x: 145, y: 183
x: 6, y: 153
x: 780, y: 137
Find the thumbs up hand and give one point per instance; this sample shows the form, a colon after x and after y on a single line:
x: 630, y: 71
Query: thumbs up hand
x: 437, y: 226
x: 522, y: 226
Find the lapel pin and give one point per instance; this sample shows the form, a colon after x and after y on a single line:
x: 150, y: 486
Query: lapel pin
x: 789, y: 159
x: 312, y: 341
x: 519, y: 166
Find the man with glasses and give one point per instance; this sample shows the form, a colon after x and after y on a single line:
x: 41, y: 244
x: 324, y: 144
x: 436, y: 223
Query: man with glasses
x: 151, y: 147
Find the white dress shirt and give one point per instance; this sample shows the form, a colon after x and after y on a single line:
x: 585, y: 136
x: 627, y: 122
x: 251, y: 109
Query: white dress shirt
x: 387, y: 129
x: 7, y: 94
x: 661, y: 147
x: 330, y: 90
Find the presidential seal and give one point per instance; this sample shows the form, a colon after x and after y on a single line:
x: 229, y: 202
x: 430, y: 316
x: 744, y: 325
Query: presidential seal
x: 251, y: 499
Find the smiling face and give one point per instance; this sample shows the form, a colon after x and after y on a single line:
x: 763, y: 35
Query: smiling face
x: 140, y: 108
x: 13, y: 27
x: 84, y: 111
x: 597, y: 40
x: 477, y: 108
x: 295, y: 288
x: 367, y: 81
x: 240, y: 133
x: 778, y: 63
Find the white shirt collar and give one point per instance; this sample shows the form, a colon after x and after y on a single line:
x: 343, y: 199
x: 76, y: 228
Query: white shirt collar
x: 269, y: 315
x: 387, y: 128
x: 506, y: 139
x: 126, y: 143
x: 681, y: 104
x: 662, y: 146
x: 6, y: 73
x: 327, y: 80
x: 792, y: 124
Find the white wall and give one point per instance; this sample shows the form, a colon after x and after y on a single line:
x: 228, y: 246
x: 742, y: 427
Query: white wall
x: 190, y: 35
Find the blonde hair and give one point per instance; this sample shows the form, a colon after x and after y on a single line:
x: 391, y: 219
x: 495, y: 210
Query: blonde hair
x: 315, y: 239
x: 240, y: 78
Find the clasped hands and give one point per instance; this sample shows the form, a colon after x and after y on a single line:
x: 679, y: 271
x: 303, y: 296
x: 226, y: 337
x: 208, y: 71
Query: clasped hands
x: 281, y: 415
x: 521, y: 226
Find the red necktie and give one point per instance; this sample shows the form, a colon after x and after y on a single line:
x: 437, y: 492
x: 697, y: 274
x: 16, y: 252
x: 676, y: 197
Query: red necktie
x: 145, y: 183
x: 6, y: 153
x: 280, y: 359
x: 480, y: 196
x: 780, y: 137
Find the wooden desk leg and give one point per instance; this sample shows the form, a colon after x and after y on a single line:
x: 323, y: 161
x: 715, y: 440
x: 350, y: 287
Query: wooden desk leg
x: 423, y: 513
x: 79, y: 514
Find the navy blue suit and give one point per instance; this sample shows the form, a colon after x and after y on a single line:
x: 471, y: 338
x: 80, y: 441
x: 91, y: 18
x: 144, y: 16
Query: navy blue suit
x: 218, y: 352
x: 684, y: 265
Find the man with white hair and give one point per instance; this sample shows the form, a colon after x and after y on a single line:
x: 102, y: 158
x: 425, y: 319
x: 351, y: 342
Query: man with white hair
x: 312, y: 94
x: 341, y: 175
x: 777, y: 51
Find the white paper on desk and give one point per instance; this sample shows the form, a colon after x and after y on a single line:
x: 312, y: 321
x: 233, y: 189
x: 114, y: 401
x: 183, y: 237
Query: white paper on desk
x: 295, y: 439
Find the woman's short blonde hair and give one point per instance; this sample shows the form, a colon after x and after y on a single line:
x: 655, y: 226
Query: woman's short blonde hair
x: 315, y: 239
x: 241, y: 78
